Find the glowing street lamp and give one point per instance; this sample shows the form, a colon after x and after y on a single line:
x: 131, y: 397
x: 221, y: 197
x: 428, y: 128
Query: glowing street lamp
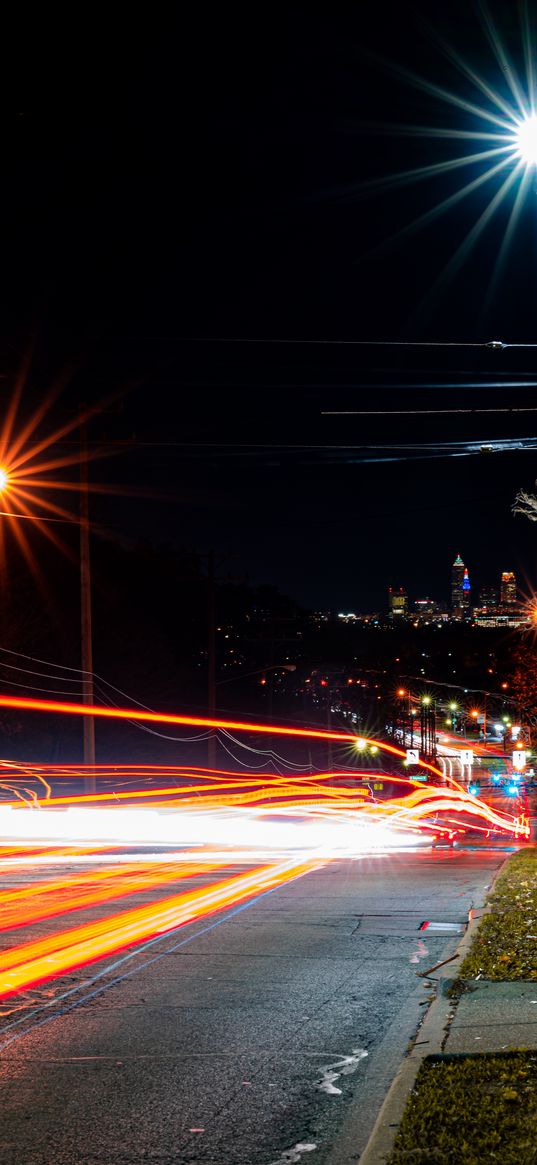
x: 492, y: 140
x: 27, y: 466
x: 453, y: 707
x: 526, y: 140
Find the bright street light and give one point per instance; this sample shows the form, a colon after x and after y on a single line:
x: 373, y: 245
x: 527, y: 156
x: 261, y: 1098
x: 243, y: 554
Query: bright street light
x: 4, y: 479
x: 526, y: 140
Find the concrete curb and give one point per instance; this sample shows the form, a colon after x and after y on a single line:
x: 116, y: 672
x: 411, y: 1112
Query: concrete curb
x: 429, y: 1041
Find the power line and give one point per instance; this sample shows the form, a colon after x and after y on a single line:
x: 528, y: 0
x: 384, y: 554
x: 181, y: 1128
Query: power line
x: 419, y: 412
x: 494, y: 345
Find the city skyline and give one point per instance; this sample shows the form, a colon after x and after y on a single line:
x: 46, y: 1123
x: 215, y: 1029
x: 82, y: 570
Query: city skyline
x: 463, y: 597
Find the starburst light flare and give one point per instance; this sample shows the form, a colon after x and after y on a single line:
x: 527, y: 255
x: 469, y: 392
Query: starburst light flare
x: 526, y: 140
x: 491, y: 141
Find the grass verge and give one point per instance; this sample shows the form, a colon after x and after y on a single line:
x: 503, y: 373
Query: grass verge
x: 505, y: 944
x: 466, y: 1110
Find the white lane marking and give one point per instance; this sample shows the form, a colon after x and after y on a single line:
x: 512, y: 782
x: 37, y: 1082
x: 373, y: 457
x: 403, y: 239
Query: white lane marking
x: 292, y: 1156
x: 342, y: 1067
x: 445, y: 927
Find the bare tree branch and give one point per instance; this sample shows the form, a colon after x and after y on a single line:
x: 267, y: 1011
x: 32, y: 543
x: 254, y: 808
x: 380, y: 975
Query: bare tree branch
x: 526, y: 504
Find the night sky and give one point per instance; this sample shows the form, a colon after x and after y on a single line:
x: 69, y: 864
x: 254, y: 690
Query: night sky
x: 182, y: 191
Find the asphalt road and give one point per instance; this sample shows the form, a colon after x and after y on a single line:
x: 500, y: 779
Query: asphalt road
x: 265, y: 1036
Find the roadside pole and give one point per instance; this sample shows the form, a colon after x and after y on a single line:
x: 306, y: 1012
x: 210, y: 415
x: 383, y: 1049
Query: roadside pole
x: 85, y: 614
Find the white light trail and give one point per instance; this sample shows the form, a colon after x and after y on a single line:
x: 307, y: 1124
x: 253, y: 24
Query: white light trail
x: 311, y: 829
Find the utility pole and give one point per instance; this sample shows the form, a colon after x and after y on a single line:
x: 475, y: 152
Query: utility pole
x: 85, y: 612
x: 211, y: 656
x: 270, y: 668
x: 428, y: 731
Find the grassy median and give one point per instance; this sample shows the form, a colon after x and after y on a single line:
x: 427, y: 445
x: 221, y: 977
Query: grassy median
x: 505, y: 944
x: 466, y: 1110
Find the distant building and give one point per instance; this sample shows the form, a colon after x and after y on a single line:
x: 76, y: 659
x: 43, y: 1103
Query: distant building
x: 508, y: 596
x: 466, y: 591
x: 397, y: 604
x: 428, y: 611
x: 424, y: 607
x: 457, y: 579
x: 489, y: 598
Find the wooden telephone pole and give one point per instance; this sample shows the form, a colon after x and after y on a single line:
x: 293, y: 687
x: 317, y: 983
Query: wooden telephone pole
x: 211, y: 656
x: 85, y: 613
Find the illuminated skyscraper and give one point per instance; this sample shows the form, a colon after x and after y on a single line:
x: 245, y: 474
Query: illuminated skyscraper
x: 457, y: 579
x: 466, y: 591
x: 508, y: 589
x: 489, y: 598
x: 398, y: 603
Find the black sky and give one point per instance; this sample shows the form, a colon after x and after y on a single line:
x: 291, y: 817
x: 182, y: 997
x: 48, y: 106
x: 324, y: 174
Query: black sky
x: 187, y: 178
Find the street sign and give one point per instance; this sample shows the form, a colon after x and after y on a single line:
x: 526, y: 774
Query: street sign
x: 467, y: 756
x: 519, y: 759
x: 412, y: 756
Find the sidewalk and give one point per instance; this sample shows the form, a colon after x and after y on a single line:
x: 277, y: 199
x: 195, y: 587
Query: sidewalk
x: 466, y: 1018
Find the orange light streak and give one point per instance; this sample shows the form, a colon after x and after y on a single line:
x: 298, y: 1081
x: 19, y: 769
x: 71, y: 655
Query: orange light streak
x: 30, y: 704
x: 33, y: 962
x: 80, y: 892
x: 222, y: 789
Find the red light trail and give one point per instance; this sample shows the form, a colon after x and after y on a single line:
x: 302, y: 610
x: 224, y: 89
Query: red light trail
x: 23, y: 703
x: 24, y: 906
x: 34, y: 961
x: 281, y: 827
